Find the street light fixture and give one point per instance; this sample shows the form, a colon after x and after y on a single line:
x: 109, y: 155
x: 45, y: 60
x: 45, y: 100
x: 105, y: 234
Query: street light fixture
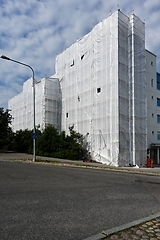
x: 34, y: 125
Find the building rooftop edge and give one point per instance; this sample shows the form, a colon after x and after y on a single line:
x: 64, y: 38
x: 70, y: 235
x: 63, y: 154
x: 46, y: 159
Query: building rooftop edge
x: 151, y: 52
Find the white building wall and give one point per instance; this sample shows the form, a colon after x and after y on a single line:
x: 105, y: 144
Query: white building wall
x: 137, y: 92
x: 83, y: 70
x: 102, y: 78
x: 153, y: 125
x: 22, y: 108
x: 102, y: 84
x: 47, y: 105
x: 152, y: 94
x: 132, y: 90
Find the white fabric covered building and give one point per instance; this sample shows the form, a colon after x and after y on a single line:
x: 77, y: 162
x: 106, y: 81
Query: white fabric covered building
x: 47, y: 105
x: 103, y: 83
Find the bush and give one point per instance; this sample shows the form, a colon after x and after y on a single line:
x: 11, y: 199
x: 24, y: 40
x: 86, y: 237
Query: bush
x: 50, y: 143
x: 22, y: 141
x: 6, y: 134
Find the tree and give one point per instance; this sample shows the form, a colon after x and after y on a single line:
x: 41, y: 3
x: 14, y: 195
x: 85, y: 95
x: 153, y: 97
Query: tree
x: 6, y: 133
x: 51, y: 143
x: 48, y: 142
x: 22, y: 141
x: 74, y: 144
x: 59, y: 145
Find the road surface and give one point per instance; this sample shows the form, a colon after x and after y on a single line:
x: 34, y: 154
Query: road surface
x: 42, y: 201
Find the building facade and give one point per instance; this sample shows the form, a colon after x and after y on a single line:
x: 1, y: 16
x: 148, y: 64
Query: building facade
x: 153, y: 108
x: 103, y: 83
x: 107, y: 87
x: 47, y: 105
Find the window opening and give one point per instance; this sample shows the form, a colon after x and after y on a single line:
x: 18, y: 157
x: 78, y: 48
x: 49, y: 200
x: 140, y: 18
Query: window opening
x: 158, y: 118
x: 158, y: 135
x: 158, y: 102
x: 72, y: 63
x: 66, y: 115
x: 98, y: 90
x: 82, y: 56
x: 158, y: 81
x: 152, y: 82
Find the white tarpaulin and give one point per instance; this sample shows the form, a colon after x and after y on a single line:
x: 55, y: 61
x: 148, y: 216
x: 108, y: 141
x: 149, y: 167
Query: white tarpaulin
x: 47, y: 105
x: 102, y: 79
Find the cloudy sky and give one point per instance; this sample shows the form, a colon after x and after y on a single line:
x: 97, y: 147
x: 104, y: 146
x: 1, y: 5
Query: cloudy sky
x: 35, y: 31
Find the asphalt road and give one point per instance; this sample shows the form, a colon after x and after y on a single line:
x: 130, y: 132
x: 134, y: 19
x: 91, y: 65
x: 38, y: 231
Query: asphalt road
x: 42, y: 201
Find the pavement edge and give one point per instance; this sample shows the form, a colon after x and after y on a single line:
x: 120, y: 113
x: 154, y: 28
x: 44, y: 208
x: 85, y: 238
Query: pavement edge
x: 107, y: 232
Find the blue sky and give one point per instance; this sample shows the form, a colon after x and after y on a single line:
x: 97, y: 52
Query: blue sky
x: 35, y: 31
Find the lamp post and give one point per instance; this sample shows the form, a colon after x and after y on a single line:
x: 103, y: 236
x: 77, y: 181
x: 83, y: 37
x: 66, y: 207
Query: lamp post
x: 34, y: 125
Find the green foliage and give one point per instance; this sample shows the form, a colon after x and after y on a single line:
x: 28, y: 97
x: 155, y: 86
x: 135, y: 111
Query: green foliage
x: 53, y: 144
x: 50, y: 143
x: 6, y: 134
x: 73, y: 146
x: 22, y: 141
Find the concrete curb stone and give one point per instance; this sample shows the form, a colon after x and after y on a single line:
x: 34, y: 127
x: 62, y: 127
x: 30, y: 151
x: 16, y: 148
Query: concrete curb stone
x: 106, y: 233
x: 28, y: 158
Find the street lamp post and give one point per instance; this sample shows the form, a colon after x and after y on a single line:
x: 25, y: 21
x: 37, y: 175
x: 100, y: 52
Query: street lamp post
x: 34, y: 125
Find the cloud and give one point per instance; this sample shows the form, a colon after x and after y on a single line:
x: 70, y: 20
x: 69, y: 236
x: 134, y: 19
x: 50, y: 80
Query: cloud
x: 35, y: 31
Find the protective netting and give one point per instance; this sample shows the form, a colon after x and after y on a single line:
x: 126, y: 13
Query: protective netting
x: 103, y: 84
x: 47, y: 105
x: 100, y: 88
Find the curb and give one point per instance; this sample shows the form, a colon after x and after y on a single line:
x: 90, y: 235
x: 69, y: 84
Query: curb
x: 77, y: 164
x: 105, y: 233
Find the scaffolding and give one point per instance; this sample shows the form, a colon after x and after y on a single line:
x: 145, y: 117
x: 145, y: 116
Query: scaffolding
x: 103, y: 84
x: 47, y: 105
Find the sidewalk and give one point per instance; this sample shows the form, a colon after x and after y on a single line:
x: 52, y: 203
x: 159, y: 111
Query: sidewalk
x: 64, y: 162
x: 146, y: 228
